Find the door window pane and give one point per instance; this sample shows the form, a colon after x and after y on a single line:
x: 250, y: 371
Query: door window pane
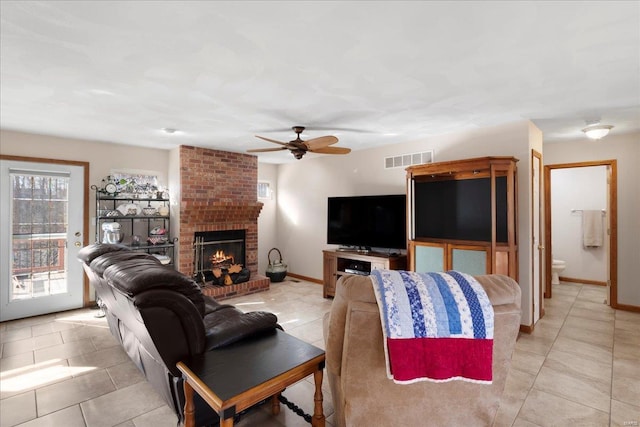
x: 39, y: 235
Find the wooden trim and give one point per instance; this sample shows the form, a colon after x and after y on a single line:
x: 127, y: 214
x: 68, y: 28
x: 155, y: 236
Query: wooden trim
x: 85, y: 217
x: 583, y: 281
x: 308, y: 279
x: 527, y: 329
x: 627, y: 307
x: 613, y: 222
x: 536, y: 155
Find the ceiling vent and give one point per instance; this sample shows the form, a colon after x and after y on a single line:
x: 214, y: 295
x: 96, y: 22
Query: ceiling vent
x: 404, y: 160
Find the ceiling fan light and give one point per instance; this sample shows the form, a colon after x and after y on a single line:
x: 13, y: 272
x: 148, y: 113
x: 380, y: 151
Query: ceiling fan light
x: 597, y: 131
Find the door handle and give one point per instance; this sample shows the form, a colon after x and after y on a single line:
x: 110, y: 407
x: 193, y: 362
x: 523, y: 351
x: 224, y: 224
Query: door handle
x: 541, y: 248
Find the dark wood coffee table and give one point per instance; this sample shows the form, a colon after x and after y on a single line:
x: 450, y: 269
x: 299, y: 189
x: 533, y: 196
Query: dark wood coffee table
x: 233, y: 378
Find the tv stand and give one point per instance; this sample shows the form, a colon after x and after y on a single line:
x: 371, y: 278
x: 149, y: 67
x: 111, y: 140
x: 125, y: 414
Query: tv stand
x: 338, y: 263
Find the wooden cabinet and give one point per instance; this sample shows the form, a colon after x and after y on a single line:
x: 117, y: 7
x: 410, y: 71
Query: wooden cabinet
x: 462, y: 215
x: 340, y: 263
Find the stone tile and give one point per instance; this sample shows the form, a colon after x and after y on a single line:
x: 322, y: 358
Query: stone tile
x: 592, y: 306
x: 65, y: 350
x: 524, y: 423
x: 546, y: 330
x: 308, y: 332
x: 161, y: 417
x: 547, y: 409
x: 534, y: 344
x: 73, y: 391
x: 625, y: 389
x: 585, y: 313
x: 630, y: 326
x: 18, y: 409
x: 51, y: 327
x: 15, y: 334
x: 29, y: 321
x: 628, y: 315
x: 130, y: 402
x: 33, y: 376
x: 579, y: 389
x: 125, y: 374
x: 581, y: 348
x: 597, y: 296
x: 624, y: 350
x: 604, y: 339
x: 518, y: 384
x: 576, y: 365
x: 30, y: 344
x: 626, y: 368
x: 590, y: 324
x: 621, y: 336
x: 624, y: 414
x: 526, y: 361
x: 15, y: 362
x: 85, y: 332
x: 100, y: 359
x: 508, y: 411
x: 68, y: 417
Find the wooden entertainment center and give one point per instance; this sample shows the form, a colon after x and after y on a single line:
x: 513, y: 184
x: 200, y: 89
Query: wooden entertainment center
x: 343, y: 263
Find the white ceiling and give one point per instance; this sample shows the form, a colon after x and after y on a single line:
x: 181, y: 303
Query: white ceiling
x: 371, y: 73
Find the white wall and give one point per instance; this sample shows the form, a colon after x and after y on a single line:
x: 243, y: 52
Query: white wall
x: 626, y: 150
x: 580, y: 189
x: 303, y: 188
x: 267, y: 224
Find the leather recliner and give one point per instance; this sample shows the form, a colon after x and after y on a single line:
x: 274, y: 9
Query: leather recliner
x: 161, y: 317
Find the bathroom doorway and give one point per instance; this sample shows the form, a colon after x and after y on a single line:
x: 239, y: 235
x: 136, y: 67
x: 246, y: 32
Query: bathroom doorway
x: 609, y: 213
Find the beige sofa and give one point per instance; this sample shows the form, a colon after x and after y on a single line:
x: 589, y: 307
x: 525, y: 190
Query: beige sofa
x: 364, y: 396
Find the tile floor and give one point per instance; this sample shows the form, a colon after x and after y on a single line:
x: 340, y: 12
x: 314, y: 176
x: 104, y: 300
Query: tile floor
x: 581, y: 367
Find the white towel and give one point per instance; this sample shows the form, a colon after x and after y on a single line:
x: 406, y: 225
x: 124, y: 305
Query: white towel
x: 591, y: 228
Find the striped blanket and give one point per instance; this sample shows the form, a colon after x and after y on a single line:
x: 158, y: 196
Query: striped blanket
x: 437, y: 326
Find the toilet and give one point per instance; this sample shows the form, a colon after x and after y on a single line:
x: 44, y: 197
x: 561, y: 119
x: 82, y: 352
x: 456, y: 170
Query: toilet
x: 557, y: 267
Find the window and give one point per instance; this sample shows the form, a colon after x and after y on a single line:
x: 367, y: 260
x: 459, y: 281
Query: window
x: 264, y: 190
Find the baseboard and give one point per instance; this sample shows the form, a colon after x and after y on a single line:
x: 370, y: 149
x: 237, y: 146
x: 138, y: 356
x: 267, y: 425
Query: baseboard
x: 627, y: 307
x: 527, y: 329
x: 308, y: 279
x: 583, y: 281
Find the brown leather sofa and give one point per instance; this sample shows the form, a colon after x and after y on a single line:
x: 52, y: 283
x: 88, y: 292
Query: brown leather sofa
x: 160, y: 317
x: 364, y: 396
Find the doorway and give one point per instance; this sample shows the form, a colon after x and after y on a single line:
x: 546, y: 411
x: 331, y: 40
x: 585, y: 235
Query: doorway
x: 610, y: 239
x: 44, y: 225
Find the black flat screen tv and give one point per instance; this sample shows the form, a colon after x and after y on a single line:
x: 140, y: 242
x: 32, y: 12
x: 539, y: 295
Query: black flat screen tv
x: 368, y: 221
x: 460, y: 209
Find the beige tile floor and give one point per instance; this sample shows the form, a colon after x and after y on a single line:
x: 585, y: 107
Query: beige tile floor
x: 580, y: 367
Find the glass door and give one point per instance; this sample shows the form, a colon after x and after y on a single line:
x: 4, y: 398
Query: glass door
x: 42, y: 223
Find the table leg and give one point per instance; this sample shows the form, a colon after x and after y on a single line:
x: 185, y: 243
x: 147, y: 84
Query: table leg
x: 318, y: 414
x: 189, y: 407
x: 226, y: 423
x: 275, y: 404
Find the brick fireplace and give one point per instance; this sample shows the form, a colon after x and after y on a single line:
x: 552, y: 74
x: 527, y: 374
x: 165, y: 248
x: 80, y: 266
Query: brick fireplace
x: 218, y: 193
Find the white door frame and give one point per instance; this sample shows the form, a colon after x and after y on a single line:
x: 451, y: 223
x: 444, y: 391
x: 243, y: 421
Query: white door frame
x: 82, y: 169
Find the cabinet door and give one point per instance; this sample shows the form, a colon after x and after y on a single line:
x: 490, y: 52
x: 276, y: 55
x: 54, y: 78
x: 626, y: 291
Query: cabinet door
x: 329, y: 275
x: 428, y: 257
x: 469, y: 259
x: 378, y: 265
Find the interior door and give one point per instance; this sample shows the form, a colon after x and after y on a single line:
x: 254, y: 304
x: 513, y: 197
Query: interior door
x: 42, y: 213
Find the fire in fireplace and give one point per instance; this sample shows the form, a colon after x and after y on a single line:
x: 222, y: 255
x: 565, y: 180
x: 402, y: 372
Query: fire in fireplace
x: 219, y: 257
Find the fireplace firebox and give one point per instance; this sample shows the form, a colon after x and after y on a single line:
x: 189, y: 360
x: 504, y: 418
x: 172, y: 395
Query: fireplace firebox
x: 219, y: 257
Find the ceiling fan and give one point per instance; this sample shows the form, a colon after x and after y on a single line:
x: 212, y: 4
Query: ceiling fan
x: 298, y: 147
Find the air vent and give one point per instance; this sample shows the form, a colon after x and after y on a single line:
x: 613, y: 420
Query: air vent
x: 404, y: 160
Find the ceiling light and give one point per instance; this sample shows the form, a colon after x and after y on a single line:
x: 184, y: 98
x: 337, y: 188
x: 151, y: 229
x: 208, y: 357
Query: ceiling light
x: 597, y: 131
x: 169, y: 130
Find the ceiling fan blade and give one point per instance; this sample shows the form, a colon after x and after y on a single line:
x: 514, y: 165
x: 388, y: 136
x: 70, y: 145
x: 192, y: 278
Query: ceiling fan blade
x: 323, y: 141
x: 331, y: 150
x: 264, y: 150
x: 271, y: 140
